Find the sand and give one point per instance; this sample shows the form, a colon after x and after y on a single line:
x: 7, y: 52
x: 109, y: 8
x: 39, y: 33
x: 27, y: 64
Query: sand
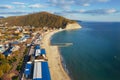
x: 55, y: 66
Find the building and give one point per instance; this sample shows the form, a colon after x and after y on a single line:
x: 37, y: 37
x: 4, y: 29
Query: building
x: 37, y: 50
x: 28, y: 69
x: 2, y: 48
x: 41, y: 71
x: 8, y: 51
x: 43, y: 52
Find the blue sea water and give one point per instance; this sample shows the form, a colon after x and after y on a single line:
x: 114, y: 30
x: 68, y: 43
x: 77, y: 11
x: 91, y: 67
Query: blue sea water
x: 95, y: 53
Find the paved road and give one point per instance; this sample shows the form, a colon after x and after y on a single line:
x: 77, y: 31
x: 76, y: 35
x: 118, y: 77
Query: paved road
x: 26, y: 58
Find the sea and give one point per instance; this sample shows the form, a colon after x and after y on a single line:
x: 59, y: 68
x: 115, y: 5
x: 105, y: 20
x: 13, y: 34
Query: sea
x: 94, y: 53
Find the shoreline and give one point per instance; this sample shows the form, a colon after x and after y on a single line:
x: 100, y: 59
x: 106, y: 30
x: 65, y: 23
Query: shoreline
x: 56, y: 67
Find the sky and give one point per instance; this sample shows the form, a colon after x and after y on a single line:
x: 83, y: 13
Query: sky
x: 85, y: 10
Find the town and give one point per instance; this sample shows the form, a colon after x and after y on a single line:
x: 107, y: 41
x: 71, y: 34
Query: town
x: 21, y: 53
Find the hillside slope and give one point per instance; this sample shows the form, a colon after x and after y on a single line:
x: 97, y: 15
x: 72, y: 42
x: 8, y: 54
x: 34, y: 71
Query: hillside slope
x: 40, y: 19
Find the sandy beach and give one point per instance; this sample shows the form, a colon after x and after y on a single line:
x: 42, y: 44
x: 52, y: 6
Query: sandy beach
x: 55, y: 66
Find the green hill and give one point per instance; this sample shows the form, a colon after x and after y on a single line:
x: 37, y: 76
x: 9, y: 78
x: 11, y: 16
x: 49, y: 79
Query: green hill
x: 40, y: 19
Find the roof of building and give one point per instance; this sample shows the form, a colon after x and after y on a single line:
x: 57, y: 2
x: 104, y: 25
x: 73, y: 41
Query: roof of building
x: 41, y: 71
x: 37, y: 73
x: 37, y: 52
x: 45, y: 71
x: 8, y: 51
x: 43, y: 51
x: 28, y: 68
x: 37, y: 47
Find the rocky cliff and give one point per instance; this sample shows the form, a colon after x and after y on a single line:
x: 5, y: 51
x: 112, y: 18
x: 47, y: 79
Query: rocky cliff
x: 73, y: 26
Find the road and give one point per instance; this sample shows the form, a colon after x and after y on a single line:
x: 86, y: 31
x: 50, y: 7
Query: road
x: 27, y: 56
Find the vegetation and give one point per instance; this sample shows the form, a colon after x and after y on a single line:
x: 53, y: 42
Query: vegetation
x: 15, y: 78
x: 8, y: 63
x: 4, y: 65
x: 19, y: 65
x: 42, y: 19
x: 26, y: 50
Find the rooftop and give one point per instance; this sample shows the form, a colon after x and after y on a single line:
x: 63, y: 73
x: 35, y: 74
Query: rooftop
x: 41, y: 71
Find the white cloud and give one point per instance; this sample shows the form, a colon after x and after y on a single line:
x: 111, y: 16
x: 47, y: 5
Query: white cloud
x: 53, y: 1
x: 21, y: 6
x: 37, y: 6
x: 70, y: 3
x: 103, y: 0
x: 5, y: 7
x: 18, y: 3
x: 14, y: 12
x: 82, y: 11
x: 109, y: 11
x: 90, y: 12
x: 64, y: 4
x: 101, y: 11
x: 86, y: 4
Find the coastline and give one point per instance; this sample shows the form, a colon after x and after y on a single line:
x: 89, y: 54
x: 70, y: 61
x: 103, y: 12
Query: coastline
x: 57, y: 71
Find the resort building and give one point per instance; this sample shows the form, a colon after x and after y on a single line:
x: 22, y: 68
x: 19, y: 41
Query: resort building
x: 41, y: 71
x: 28, y: 69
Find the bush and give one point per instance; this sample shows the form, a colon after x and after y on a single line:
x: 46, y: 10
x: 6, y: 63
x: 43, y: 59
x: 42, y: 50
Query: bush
x: 5, y: 67
x: 2, y: 56
x: 1, y: 73
x: 15, y: 78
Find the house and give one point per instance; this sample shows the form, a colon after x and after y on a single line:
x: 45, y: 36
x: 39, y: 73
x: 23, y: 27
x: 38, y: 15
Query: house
x: 2, y: 48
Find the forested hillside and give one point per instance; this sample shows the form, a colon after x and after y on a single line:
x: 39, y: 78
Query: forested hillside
x: 40, y: 19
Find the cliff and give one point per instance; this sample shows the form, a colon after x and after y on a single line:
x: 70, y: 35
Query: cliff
x: 73, y: 26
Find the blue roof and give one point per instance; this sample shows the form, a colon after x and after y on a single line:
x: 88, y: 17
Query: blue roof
x: 45, y: 71
x: 37, y: 47
x: 27, y: 36
x: 43, y: 51
x: 15, y: 42
x: 8, y: 51
x: 28, y: 68
x: 37, y: 79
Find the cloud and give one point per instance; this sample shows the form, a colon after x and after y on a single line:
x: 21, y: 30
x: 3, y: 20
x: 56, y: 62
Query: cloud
x: 111, y: 11
x: 5, y: 7
x: 64, y: 4
x: 86, y: 4
x: 103, y: 0
x: 14, y: 12
x: 90, y: 12
x: 22, y: 6
x: 81, y: 11
x: 37, y: 6
x: 18, y: 3
x: 70, y: 3
x: 101, y: 11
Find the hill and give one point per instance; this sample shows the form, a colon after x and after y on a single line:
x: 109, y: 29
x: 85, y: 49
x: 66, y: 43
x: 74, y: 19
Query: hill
x: 40, y: 19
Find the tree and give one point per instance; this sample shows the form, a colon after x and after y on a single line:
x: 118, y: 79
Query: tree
x: 2, y: 56
x: 39, y: 20
x: 1, y: 73
x: 6, y: 67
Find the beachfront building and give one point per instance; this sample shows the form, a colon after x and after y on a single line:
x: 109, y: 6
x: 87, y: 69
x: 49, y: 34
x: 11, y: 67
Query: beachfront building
x: 41, y: 71
x: 37, y: 66
x: 43, y: 53
x: 28, y: 70
x: 37, y: 50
